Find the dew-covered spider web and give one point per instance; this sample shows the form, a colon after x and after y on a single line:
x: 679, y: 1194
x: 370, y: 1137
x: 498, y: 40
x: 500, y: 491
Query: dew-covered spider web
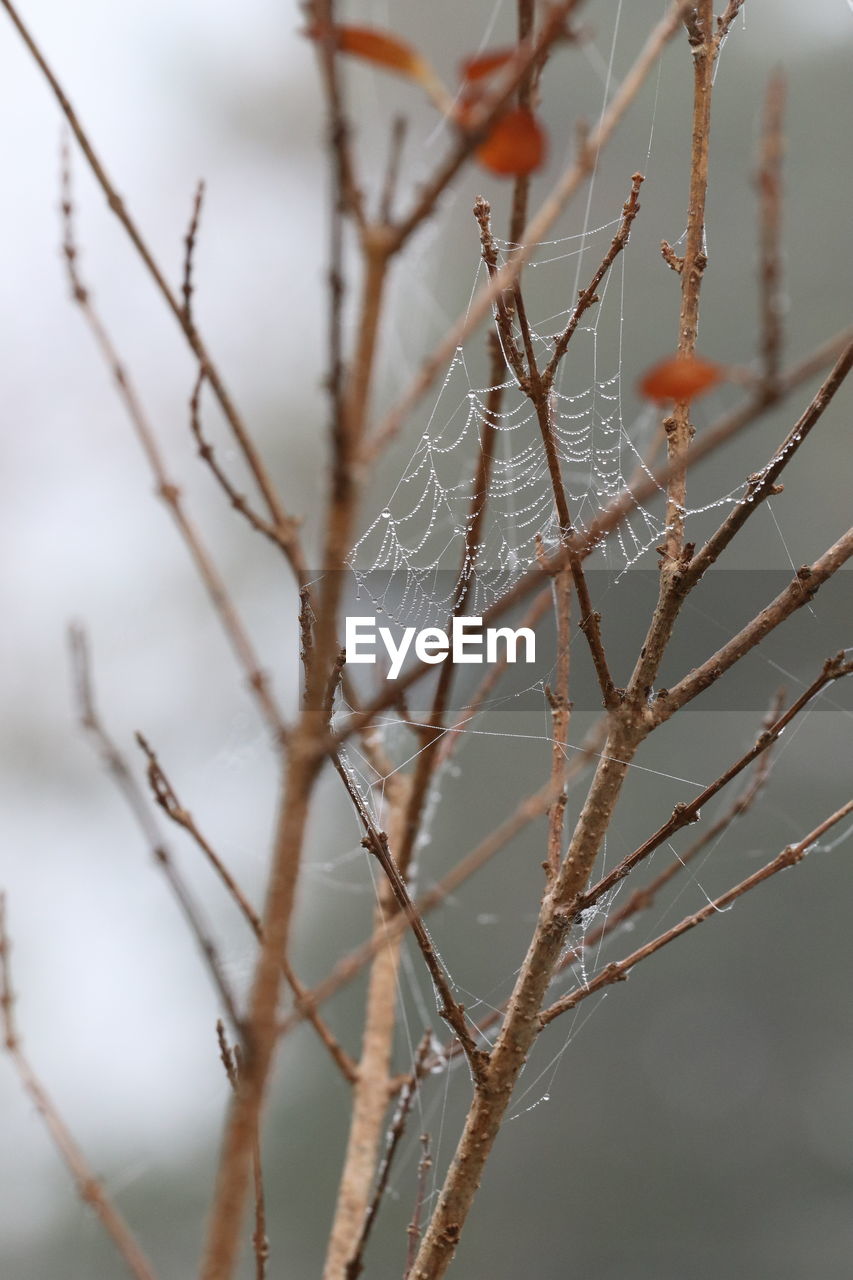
x: 437, y: 538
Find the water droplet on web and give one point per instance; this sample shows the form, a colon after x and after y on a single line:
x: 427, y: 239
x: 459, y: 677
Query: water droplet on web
x: 386, y: 514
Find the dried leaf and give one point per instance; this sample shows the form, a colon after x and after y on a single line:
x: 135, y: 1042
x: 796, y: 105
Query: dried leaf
x: 515, y: 146
x: 379, y: 47
x: 477, y: 68
x: 680, y: 378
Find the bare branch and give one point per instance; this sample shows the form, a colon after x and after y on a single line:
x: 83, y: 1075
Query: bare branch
x: 355, y: 1266
x: 231, y: 1061
x: 166, y: 488
x: 768, y: 181
x: 134, y: 797
x: 281, y: 538
x: 762, y: 484
x: 118, y: 207
x: 166, y: 798
x: 808, y: 581
x: 188, y: 287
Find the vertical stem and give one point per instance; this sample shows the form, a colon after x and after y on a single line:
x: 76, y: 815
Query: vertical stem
x: 700, y: 24
x: 371, y: 1090
x: 769, y: 183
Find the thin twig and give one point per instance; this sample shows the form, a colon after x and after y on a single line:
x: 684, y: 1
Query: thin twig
x: 165, y: 796
x: 805, y: 585
x: 89, y: 1188
x: 166, y: 488
x: 561, y: 709
x: 231, y: 1061
x: 588, y: 296
x: 413, y: 1231
x: 355, y: 1266
x: 725, y: 20
x: 135, y: 798
x: 762, y: 484
x: 119, y: 208
x: 188, y: 287
x: 527, y: 811
x: 392, y: 168
x: 768, y: 181
x: 376, y: 842
x: 237, y: 500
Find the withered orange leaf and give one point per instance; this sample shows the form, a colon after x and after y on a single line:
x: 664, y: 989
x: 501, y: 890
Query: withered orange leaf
x: 679, y: 378
x: 379, y: 47
x: 515, y: 146
x: 483, y: 64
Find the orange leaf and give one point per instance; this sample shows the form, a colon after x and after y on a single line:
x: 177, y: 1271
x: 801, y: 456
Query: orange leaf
x: 379, y: 47
x: 515, y: 146
x: 679, y: 378
x: 484, y: 64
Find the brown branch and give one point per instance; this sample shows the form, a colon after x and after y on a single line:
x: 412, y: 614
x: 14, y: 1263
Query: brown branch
x: 762, y: 484
x: 231, y: 1061
x: 355, y: 1265
x: 90, y: 1190
x: 301, y: 770
x: 527, y: 811
x: 376, y: 842
x: 237, y: 500
x: 619, y: 971
x: 561, y: 712
x: 188, y: 288
x: 135, y: 799
x: 373, y: 1085
x: 528, y: 84
x: 768, y: 181
x: 537, y: 385
x: 588, y: 296
x: 725, y: 20
x: 808, y: 581
x: 503, y: 317
x: 166, y: 797
x: 699, y: 22
x: 347, y: 196
x: 118, y: 207
x: 166, y: 488
x: 671, y: 258
x: 392, y: 168
x: 413, y: 1231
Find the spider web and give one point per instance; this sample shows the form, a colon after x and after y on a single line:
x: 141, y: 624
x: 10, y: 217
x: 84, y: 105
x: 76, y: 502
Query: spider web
x: 416, y: 560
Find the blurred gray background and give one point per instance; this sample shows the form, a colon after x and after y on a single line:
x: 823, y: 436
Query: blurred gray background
x: 701, y: 1122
